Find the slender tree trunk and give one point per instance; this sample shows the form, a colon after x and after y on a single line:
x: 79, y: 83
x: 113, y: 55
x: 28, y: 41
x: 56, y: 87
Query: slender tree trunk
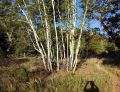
x: 48, y: 38
x: 63, y: 45
x: 67, y: 53
x: 79, y: 39
x: 9, y: 35
x: 56, y: 36
x: 35, y: 34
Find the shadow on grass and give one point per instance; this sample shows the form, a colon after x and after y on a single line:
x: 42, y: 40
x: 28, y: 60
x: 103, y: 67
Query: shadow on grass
x: 92, y: 87
x: 112, y: 59
x: 11, y: 61
x: 22, y: 60
x: 79, y: 64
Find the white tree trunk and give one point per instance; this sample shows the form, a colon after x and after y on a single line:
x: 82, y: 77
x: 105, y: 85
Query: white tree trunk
x: 79, y: 40
x: 48, y: 39
x: 57, y: 60
x: 35, y: 34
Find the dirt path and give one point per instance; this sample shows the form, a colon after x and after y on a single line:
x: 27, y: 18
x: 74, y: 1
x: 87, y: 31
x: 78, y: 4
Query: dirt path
x: 115, y: 78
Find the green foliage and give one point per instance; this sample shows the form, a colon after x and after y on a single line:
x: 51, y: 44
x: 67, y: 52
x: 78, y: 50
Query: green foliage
x: 16, y: 26
x: 21, y: 43
x: 93, y: 43
x: 111, y: 47
x: 97, y: 45
x: 109, y: 17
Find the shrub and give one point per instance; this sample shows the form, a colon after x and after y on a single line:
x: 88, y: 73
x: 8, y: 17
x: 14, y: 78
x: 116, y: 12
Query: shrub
x: 111, y: 47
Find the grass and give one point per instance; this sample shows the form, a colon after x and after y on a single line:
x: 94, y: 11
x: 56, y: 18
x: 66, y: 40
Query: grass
x: 76, y: 82
x: 18, y: 79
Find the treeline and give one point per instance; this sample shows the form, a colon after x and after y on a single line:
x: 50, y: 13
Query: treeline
x: 92, y: 43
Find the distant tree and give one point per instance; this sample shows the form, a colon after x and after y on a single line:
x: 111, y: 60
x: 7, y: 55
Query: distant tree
x: 10, y: 27
x: 112, y: 26
x: 107, y: 12
x: 93, y: 43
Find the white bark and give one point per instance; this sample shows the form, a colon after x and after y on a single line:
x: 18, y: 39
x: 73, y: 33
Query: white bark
x: 70, y: 36
x: 67, y: 53
x: 35, y: 34
x: 72, y: 32
x: 72, y: 50
x: 48, y: 38
x: 57, y: 60
x: 79, y: 39
x: 61, y: 29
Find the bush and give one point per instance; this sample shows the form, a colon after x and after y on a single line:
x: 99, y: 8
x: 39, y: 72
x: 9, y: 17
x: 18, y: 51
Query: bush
x: 111, y: 47
x: 94, y: 44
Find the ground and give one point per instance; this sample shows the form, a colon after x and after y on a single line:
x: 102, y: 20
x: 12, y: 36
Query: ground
x: 30, y: 76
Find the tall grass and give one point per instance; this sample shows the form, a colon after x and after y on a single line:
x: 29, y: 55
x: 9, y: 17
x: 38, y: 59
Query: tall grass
x: 18, y: 79
x: 76, y: 83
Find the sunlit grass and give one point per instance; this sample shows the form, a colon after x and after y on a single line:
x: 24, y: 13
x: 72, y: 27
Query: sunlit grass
x: 76, y: 82
x: 18, y: 79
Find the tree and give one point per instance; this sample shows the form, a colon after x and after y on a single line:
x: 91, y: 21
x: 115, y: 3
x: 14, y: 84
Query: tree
x: 93, y: 43
x: 107, y: 12
x: 11, y: 25
x: 112, y: 26
x: 6, y: 21
x: 49, y: 16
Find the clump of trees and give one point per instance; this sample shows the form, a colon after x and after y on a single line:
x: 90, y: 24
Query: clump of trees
x: 93, y: 43
x: 48, y: 28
